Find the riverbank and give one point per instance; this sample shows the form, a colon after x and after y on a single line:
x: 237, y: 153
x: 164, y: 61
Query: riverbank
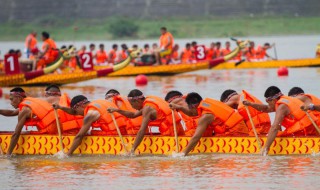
x: 67, y: 30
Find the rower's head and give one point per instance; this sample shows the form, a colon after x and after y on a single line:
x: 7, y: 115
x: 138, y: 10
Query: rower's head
x: 154, y: 46
x: 111, y: 93
x: 173, y: 95
x: 124, y: 46
x: 176, y: 47
x: 17, y: 95
x: 115, y: 47
x: 227, y: 44
x: 295, y: 91
x: 52, y: 90
x: 212, y: 45
x: 45, y: 36
x: 230, y: 96
x: 251, y: 44
x: 34, y: 33
x: 194, y: 43
x: 163, y: 30
x: 266, y: 46
x: 101, y: 47
x: 136, y: 99
x: 193, y: 100
x: 92, y: 47
x: 272, y: 95
x: 188, y: 46
x: 79, y: 103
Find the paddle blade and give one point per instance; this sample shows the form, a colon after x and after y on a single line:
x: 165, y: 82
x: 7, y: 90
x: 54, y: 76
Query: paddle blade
x: 239, y: 62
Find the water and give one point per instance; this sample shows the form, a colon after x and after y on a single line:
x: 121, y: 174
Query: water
x: 210, y: 171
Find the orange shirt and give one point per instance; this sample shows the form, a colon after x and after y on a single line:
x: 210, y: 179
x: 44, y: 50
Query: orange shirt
x: 101, y: 56
x: 112, y: 56
x: 51, y: 53
x: 210, y: 53
x: 164, y: 40
x: 225, y: 52
x: 186, y: 56
x: 175, y: 55
x: 217, y: 53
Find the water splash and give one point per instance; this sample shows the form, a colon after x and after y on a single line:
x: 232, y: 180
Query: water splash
x: 61, y: 155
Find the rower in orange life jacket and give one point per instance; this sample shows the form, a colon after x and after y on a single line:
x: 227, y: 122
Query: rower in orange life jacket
x: 155, y: 112
x: 210, y: 51
x: 101, y: 55
x: 260, y: 120
x: 113, y: 54
x: 95, y: 115
x: 32, y: 112
x: 213, y: 116
x: 310, y: 101
x: 226, y: 50
x: 175, y: 59
x: 49, y: 53
x: 250, y: 52
x: 261, y: 52
x: 218, y: 51
x: 133, y: 124
x: 186, y: 54
x: 123, y: 53
x: 31, y: 42
x: 176, y: 97
x: 288, y: 114
x: 318, y: 51
x: 70, y: 124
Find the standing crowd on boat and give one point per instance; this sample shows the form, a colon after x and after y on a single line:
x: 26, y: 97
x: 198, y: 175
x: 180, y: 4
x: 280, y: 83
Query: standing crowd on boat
x: 235, y: 114
x: 163, y: 53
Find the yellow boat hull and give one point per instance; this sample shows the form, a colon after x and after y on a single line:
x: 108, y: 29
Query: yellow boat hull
x: 159, y: 145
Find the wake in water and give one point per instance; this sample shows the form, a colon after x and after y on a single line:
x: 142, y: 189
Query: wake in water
x: 61, y: 155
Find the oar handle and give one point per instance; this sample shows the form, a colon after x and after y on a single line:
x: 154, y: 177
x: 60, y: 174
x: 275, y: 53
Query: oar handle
x: 253, y: 127
x: 59, y: 129
x: 313, y: 123
x: 118, y: 131
x: 175, y: 130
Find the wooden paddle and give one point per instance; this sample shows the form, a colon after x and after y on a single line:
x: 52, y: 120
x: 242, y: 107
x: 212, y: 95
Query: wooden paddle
x: 175, y: 130
x: 275, y: 51
x: 239, y: 62
x: 313, y: 123
x: 253, y: 127
x: 59, y: 129
x: 118, y: 131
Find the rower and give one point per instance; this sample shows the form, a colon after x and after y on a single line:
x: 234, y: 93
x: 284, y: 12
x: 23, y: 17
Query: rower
x: 166, y: 45
x: 113, y: 54
x: 261, y: 53
x: 133, y: 124
x: 70, y: 124
x: 155, y: 112
x: 176, y: 97
x: 318, y: 51
x: 31, y: 42
x: 101, y: 55
x: 288, y: 114
x: 310, y: 101
x: 95, y: 115
x: 32, y: 112
x: 260, y: 120
x: 214, y: 116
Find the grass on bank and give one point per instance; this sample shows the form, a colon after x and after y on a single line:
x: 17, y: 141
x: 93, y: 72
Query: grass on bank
x: 64, y: 30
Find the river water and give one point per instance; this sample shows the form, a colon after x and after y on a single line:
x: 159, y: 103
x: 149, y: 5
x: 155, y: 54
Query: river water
x: 206, y: 171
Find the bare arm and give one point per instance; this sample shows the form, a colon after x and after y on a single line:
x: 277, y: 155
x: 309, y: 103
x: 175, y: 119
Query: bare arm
x: 87, y: 121
x: 22, y: 117
x: 125, y: 113
x: 9, y: 113
x: 46, y: 48
x: 147, y: 114
x: 204, y: 121
x: 259, y: 107
x: 184, y: 109
x: 281, y: 112
x: 65, y: 109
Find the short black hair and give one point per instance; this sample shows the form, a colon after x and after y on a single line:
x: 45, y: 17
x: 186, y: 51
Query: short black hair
x: 135, y: 46
x: 53, y: 87
x: 112, y: 91
x: 295, y: 91
x: 172, y: 94
x: 17, y: 89
x: 11, y: 51
x: 194, y: 43
x: 124, y: 46
x: 266, y: 44
x: 225, y: 94
x: 101, y: 45
x: 135, y: 93
x: 146, y: 45
x: 271, y: 91
x: 163, y: 28
x: 77, y: 99
x: 188, y: 44
x: 70, y: 46
x: 92, y: 45
x: 18, y: 51
x: 193, y: 98
x: 114, y: 46
x: 218, y: 43
x: 63, y: 47
x: 45, y: 34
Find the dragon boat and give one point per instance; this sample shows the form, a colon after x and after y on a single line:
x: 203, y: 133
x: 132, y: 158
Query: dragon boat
x: 80, y: 75
x: 159, y: 145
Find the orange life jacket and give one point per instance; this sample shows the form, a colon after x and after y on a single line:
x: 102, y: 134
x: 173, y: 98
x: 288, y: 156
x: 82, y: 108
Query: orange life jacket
x: 210, y: 54
x: 225, y: 51
x: 69, y: 122
x: 251, y: 53
x: 42, y: 115
x: 217, y: 53
x: 33, y: 42
x: 227, y: 120
x: 164, y: 40
x: 186, y: 56
x: 112, y: 55
x: 175, y: 55
x: 164, y: 116
x: 51, y: 52
x: 101, y: 56
x: 133, y: 124
x: 123, y: 55
x: 105, y: 122
x: 296, y: 120
x: 261, y: 53
x: 260, y: 120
